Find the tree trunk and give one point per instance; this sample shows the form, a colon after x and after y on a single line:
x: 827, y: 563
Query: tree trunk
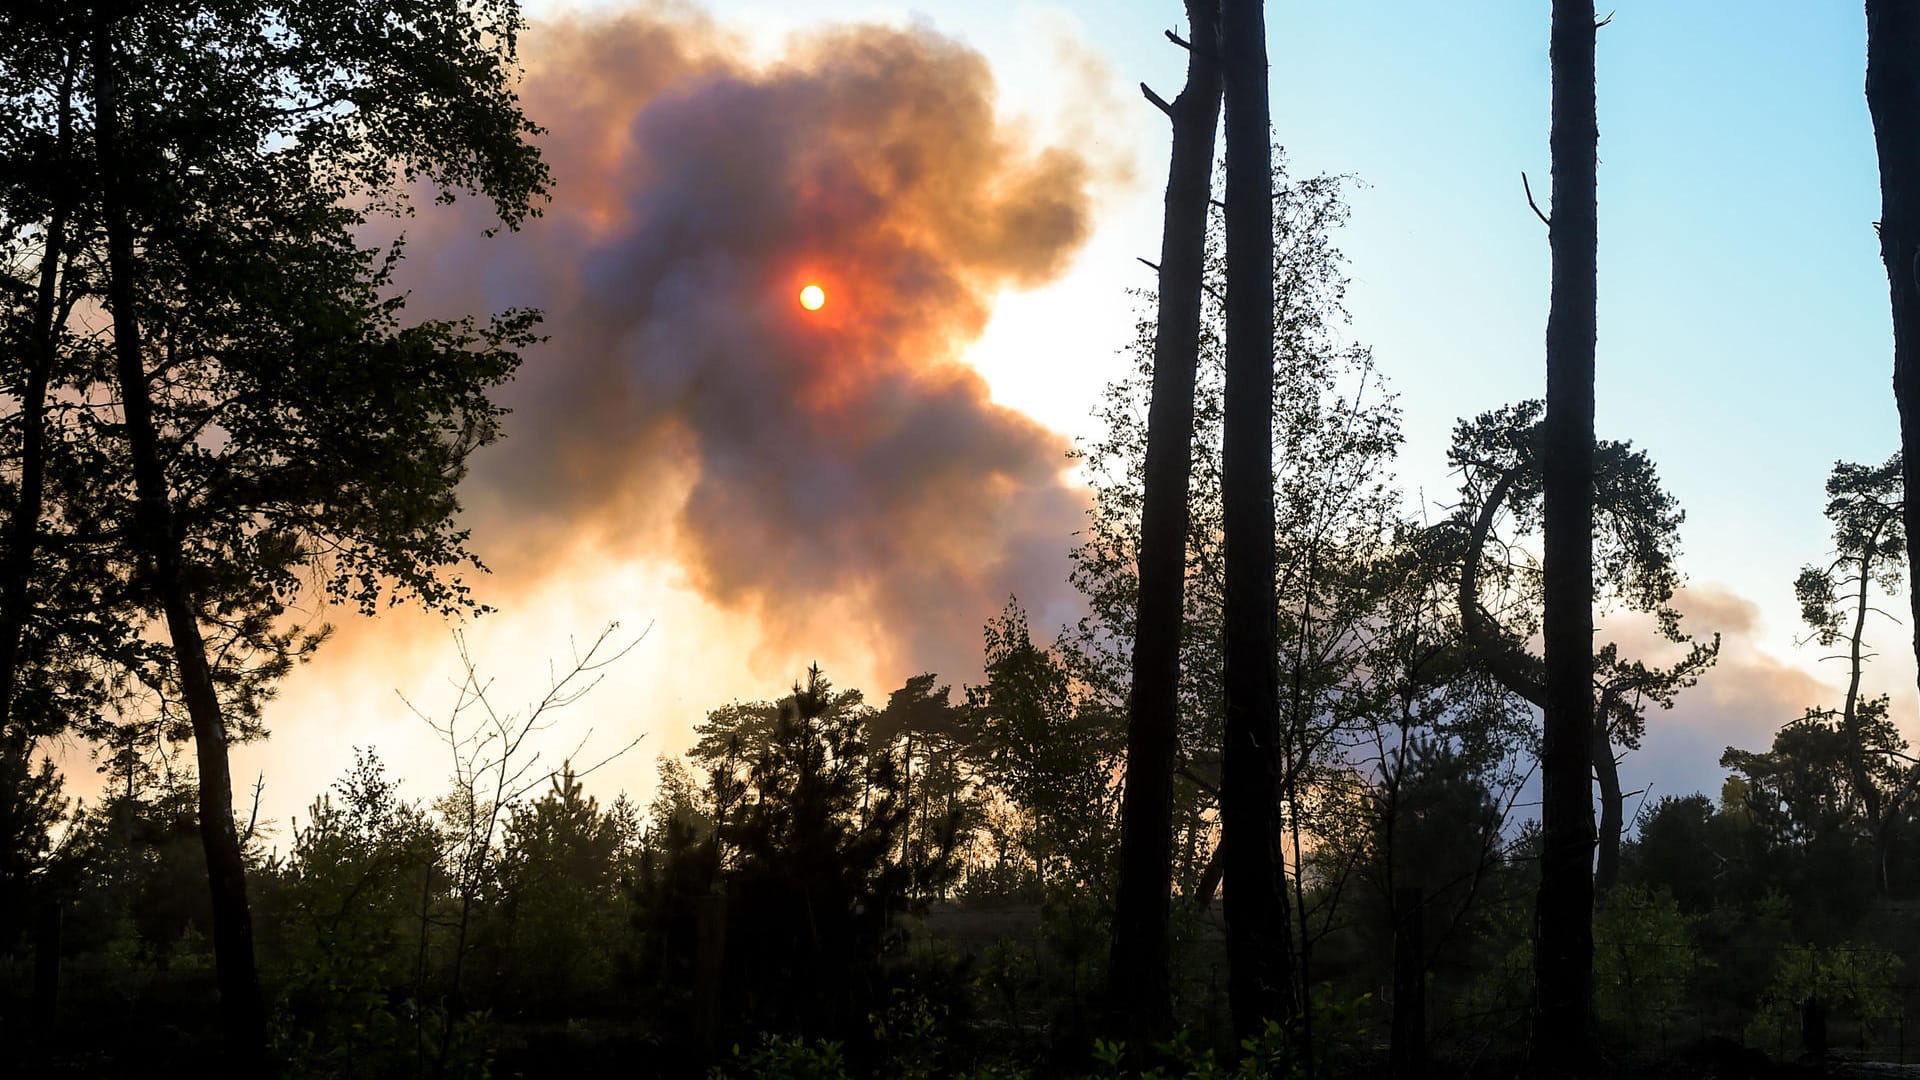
x: 1893, y: 99
x: 1606, y: 867
x: 243, y: 1012
x: 1138, y: 980
x: 23, y: 529
x: 1563, y: 956
x: 1407, y: 1052
x: 1864, y: 789
x: 1259, y: 941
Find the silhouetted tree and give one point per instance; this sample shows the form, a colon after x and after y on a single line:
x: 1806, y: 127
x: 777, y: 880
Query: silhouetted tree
x: 1865, y: 504
x: 806, y: 850
x: 1674, y: 850
x: 929, y: 732
x: 1893, y: 99
x: 1336, y: 430
x: 1499, y: 459
x: 1137, y: 978
x: 1564, y: 949
x: 562, y: 903
x: 348, y: 913
x: 1260, y: 972
x: 274, y: 415
x: 1048, y: 753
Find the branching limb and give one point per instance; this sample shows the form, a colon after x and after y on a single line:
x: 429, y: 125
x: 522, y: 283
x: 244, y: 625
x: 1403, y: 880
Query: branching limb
x: 1158, y: 101
x: 1528, y: 188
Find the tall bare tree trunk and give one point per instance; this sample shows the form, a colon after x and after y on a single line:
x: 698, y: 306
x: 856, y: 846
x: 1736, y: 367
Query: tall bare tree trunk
x: 242, y: 1009
x: 1259, y: 942
x: 1137, y: 979
x: 1563, y: 955
x: 1893, y: 98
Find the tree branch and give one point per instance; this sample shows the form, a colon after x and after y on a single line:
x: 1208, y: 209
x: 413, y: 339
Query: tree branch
x: 1506, y: 663
x: 1210, y: 290
x: 1528, y: 188
x: 1158, y: 101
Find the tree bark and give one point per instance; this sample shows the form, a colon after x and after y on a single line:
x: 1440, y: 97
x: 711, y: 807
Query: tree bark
x: 1893, y: 99
x: 1563, y: 955
x: 1138, y: 979
x: 1259, y: 941
x: 1864, y: 789
x: 242, y: 1010
x: 1606, y: 865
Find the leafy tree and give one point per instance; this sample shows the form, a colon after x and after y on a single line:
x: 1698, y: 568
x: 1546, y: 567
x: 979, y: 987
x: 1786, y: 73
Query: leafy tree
x: 1865, y: 505
x: 1675, y: 852
x: 1803, y: 818
x: 1336, y: 524
x: 31, y: 805
x: 232, y: 149
x: 806, y: 842
x: 1437, y: 825
x: 1643, y: 953
x: 350, y: 911
x: 1047, y: 753
x: 563, y: 869
x: 1501, y: 588
x: 133, y: 864
x: 941, y: 790
x: 1857, y: 984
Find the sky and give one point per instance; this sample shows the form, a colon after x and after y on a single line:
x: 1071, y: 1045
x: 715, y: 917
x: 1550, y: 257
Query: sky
x: 1744, y: 338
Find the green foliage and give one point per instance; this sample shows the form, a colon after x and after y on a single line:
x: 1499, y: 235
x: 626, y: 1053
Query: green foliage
x: 1675, y: 852
x: 1869, y: 540
x: 1858, y: 985
x: 31, y: 804
x: 353, y: 907
x: 562, y: 906
x: 1049, y: 753
x: 778, y: 1058
x: 1273, y: 1054
x: 1643, y: 954
x: 310, y: 433
x: 136, y: 875
x: 911, y: 1034
x: 1636, y: 540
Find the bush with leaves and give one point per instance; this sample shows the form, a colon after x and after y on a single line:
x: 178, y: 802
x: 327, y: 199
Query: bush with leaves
x: 1852, y: 985
x: 1643, y: 955
x: 562, y: 897
x: 353, y: 909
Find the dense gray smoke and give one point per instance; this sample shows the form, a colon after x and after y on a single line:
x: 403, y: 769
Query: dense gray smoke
x: 835, y: 470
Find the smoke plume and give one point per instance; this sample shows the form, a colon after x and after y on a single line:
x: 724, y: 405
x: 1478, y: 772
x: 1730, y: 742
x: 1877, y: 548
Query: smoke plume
x: 839, y: 471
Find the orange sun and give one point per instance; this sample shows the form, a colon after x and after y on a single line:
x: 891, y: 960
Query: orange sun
x: 813, y: 297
